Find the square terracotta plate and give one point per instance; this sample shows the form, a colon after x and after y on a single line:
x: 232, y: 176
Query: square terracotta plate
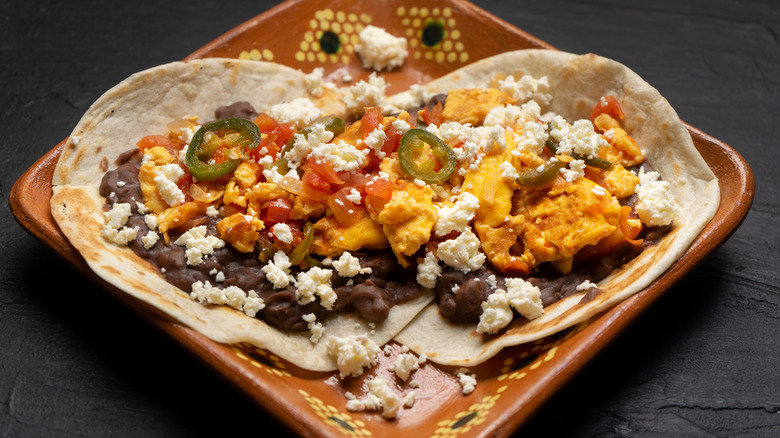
x: 443, y: 35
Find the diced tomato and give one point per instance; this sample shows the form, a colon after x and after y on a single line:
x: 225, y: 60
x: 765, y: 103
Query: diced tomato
x: 432, y: 115
x: 370, y: 121
x: 607, y: 105
x: 295, y: 229
x: 267, y: 144
x: 381, y: 188
x: 266, y: 123
x: 392, y: 140
x: 356, y: 180
x: 219, y: 155
x: 297, y: 237
x: 324, y: 169
x: 315, y: 180
x: 284, y: 133
x: 150, y: 141
x: 310, y: 192
x: 343, y: 209
x: 374, y: 203
x: 628, y: 231
x: 516, y: 266
x: 314, y: 186
x: 279, y: 210
x: 184, y: 184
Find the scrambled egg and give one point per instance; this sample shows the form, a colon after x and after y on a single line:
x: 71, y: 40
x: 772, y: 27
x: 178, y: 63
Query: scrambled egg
x: 562, y: 219
x: 158, y: 156
x: 407, y: 219
x: 241, y: 231
x: 472, y: 105
x: 332, y: 239
x: 623, y: 148
x: 518, y: 227
x: 493, y: 191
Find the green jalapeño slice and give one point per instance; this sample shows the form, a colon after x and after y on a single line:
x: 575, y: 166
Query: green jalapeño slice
x: 224, y: 134
x: 416, y: 154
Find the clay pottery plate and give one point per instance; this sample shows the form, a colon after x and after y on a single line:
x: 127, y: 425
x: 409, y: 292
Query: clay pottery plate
x: 443, y: 35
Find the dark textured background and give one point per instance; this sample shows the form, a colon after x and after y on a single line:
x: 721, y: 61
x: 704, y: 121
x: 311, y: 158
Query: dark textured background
x: 704, y: 361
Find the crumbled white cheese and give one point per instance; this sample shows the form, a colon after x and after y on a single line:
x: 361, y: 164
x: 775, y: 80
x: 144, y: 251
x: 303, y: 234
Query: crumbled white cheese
x: 428, y: 271
x: 412, y: 98
x: 457, y: 217
x: 579, y: 138
x: 277, y: 270
x: 150, y: 239
x: 586, y: 285
x: 533, y: 138
x: 300, y: 111
x: 497, y: 309
x: 365, y: 94
x: 401, y: 126
x: 409, y: 399
x: 496, y: 313
x: 121, y: 236
x: 313, y: 81
x: 468, y: 382
x: 375, y: 140
x: 198, y: 244
x: 343, y: 156
x: 249, y: 303
x: 508, y: 171
x: 513, y: 115
x: 114, y: 229
x: 656, y: 205
x: 353, y: 354
x: 599, y: 191
x: 379, y: 50
x: 380, y: 395
x: 527, y: 88
x: 576, y: 170
x: 315, y: 281
x: 404, y: 365
x: 165, y: 178
x: 282, y: 232
x: 253, y: 304
x: 524, y: 297
x: 354, y: 196
x: 497, y: 140
x: 314, y: 327
x: 151, y: 221
x: 186, y: 137
x: 303, y: 144
x: 118, y: 215
x: 272, y: 175
x: 462, y: 253
x: 212, y: 211
x: 349, y: 266
x: 142, y: 208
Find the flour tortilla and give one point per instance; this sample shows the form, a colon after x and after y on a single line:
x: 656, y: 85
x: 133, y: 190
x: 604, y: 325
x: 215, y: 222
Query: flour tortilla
x: 144, y: 104
x: 577, y: 83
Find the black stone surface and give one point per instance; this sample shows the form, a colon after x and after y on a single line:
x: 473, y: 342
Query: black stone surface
x: 704, y: 361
